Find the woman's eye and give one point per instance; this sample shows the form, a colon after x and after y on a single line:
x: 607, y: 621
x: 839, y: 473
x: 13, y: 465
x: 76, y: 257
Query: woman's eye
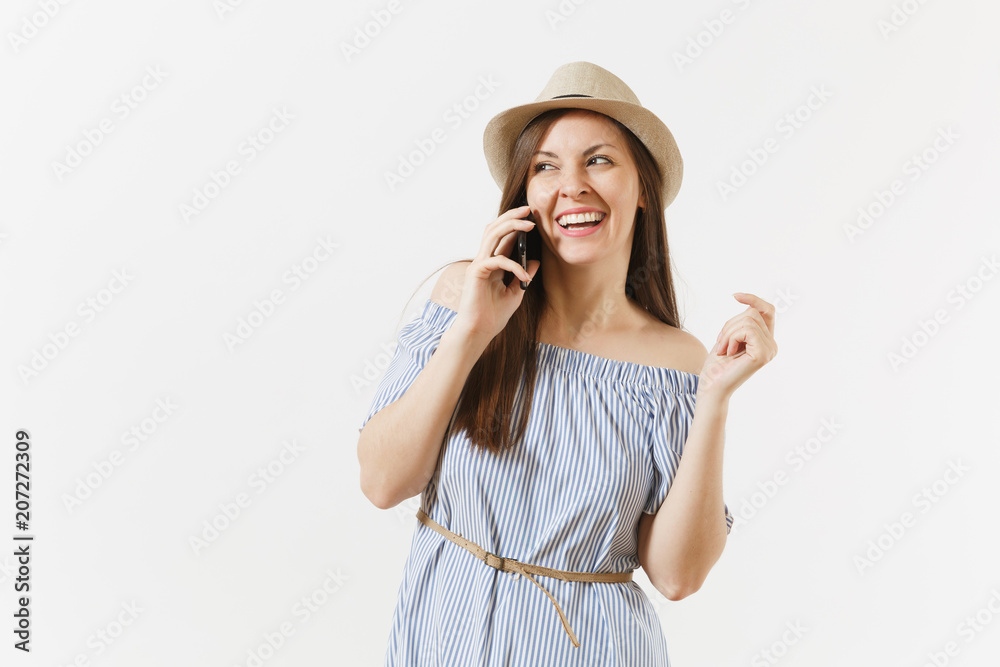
x: 545, y: 166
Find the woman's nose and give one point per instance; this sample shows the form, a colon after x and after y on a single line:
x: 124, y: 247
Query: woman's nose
x: 572, y: 182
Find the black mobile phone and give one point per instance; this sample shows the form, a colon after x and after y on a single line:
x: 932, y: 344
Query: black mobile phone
x: 523, y: 250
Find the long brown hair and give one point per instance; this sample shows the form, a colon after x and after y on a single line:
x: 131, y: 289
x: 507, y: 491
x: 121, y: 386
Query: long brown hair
x: 486, y: 406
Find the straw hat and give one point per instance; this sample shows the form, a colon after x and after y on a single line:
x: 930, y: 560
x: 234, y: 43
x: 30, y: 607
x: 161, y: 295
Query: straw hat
x: 583, y: 85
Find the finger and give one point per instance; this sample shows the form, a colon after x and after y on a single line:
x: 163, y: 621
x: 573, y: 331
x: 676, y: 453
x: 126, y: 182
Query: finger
x: 742, y: 336
x: 519, y: 211
x: 499, y: 262
x: 533, y: 265
x: 737, y: 321
x: 756, y: 316
x: 498, y: 229
x: 738, y: 338
x: 506, y: 244
x: 765, y: 309
x: 516, y: 213
x: 730, y: 339
x: 732, y: 323
x: 756, y: 341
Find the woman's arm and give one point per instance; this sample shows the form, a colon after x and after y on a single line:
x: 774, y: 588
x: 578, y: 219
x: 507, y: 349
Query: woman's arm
x: 399, y: 446
x: 680, y: 544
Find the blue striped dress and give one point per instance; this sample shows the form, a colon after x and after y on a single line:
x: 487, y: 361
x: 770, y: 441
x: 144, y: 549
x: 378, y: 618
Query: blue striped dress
x: 603, y: 442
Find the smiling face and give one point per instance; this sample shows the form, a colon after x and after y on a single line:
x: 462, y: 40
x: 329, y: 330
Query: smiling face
x: 581, y: 174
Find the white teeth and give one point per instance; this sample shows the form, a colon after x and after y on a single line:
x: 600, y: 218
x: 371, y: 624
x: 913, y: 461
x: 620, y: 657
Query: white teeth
x: 577, y: 218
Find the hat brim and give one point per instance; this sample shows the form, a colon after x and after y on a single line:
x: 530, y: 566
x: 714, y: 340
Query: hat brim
x: 503, y: 129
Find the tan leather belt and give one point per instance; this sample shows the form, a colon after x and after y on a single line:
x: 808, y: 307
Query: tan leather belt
x: 511, y: 565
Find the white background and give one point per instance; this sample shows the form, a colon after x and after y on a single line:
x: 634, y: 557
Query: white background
x: 308, y: 372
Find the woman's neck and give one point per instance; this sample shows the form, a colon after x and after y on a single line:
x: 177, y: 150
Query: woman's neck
x: 588, y: 307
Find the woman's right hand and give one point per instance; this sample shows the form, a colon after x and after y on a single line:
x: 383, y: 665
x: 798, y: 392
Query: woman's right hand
x: 487, y: 305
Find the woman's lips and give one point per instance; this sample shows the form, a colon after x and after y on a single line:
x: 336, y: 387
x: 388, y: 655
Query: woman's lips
x: 583, y: 231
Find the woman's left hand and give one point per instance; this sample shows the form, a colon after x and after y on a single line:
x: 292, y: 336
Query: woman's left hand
x: 744, y: 345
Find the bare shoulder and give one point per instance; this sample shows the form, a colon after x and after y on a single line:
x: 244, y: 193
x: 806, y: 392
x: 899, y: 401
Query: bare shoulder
x: 448, y: 289
x: 669, y: 347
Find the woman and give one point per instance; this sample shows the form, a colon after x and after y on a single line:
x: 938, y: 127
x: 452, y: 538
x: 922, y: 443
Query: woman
x: 545, y: 427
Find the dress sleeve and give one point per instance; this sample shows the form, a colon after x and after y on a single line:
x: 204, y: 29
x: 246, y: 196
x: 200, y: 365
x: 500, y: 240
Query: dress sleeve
x: 415, y: 344
x: 671, y: 423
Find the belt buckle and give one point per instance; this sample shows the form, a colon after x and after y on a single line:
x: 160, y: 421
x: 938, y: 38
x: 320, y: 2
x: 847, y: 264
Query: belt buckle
x: 493, y: 560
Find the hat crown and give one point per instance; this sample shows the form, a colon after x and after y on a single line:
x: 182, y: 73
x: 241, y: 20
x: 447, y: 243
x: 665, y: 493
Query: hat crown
x: 589, y: 80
